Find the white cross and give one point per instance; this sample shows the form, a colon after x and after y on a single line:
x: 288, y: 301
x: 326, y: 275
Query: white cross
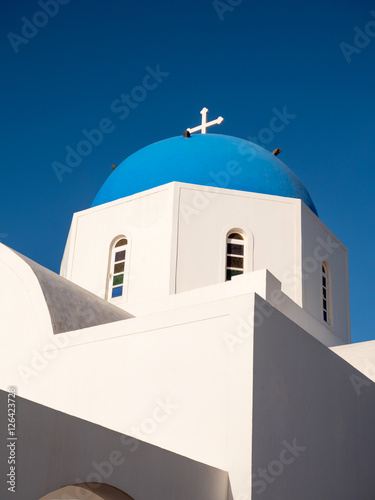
x: 205, y: 125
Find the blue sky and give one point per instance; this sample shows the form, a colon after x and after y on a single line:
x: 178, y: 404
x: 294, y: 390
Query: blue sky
x: 242, y: 60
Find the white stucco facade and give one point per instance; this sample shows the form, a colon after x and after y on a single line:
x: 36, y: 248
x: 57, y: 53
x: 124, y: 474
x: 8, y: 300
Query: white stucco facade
x: 177, y: 242
x: 179, y: 371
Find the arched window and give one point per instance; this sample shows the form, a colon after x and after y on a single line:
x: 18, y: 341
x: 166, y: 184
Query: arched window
x: 235, y: 254
x: 116, y: 285
x: 325, y: 293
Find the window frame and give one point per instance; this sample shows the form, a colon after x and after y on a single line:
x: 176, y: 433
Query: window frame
x: 114, y: 250
x: 326, y: 309
x: 235, y: 241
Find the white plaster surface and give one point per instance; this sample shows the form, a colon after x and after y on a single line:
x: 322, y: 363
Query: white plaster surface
x: 360, y: 355
x: 177, y: 242
x: 180, y: 374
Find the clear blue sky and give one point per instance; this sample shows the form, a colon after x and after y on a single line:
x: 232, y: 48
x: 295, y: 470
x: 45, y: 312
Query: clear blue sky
x: 258, y: 56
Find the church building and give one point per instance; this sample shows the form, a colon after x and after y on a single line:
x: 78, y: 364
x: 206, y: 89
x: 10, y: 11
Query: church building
x: 196, y: 344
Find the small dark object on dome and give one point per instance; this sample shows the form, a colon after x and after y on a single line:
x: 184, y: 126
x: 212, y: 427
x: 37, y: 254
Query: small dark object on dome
x: 276, y: 151
x: 186, y: 134
x: 114, y: 167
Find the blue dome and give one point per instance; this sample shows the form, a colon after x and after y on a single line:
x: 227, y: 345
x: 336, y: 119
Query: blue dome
x: 208, y: 160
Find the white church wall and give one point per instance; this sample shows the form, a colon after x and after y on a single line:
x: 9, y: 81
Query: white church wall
x: 261, y: 282
x: 362, y: 357
x: 271, y: 225
x: 313, y: 418
x: 180, y: 358
x: 83, y: 452
x: 146, y: 221
x: 320, y: 244
x: 180, y: 379
x: 177, y: 242
x: 175, y: 379
x: 205, y: 215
